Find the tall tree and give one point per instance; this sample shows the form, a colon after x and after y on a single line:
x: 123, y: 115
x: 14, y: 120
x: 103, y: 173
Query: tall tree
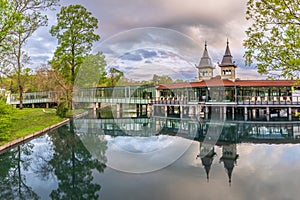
x: 30, y: 17
x: 114, y: 76
x: 75, y: 33
x: 274, y: 36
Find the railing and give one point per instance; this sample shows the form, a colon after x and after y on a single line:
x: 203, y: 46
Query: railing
x: 241, y: 100
x: 53, y: 96
x: 268, y: 100
x: 170, y: 100
x: 35, y: 97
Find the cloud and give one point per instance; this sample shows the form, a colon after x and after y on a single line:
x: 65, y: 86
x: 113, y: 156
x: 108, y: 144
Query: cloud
x: 192, y: 22
x: 132, y: 56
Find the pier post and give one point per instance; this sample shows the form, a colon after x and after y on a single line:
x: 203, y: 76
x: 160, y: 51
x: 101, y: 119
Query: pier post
x: 268, y: 111
x: 166, y: 111
x: 246, y: 113
x: 119, y: 110
x: 141, y: 109
x: 47, y: 105
x: 119, y: 107
x: 224, y: 110
x: 148, y: 109
x: 290, y: 113
x: 253, y: 113
x: 180, y: 111
x: 232, y: 113
x: 94, y: 106
x: 206, y: 110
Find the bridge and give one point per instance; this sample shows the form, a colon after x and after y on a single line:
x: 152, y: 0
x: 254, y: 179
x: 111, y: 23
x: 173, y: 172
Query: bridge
x: 151, y: 99
x: 140, y: 95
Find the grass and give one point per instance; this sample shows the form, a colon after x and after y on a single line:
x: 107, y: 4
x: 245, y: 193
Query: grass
x: 27, y: 121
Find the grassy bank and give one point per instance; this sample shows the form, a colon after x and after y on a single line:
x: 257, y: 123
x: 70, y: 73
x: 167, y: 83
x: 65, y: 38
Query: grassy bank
x: 27, y: 121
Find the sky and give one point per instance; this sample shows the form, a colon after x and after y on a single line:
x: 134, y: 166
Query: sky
x: 165, y: 37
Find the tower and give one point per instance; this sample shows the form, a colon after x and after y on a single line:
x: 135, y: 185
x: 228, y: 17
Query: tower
x: 227, y: 66
x: 205, y: 67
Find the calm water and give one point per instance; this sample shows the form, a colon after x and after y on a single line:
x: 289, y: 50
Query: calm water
x: 156, y: 158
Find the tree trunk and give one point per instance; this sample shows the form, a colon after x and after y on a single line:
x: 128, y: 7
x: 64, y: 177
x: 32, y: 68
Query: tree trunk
x: 21, y: 96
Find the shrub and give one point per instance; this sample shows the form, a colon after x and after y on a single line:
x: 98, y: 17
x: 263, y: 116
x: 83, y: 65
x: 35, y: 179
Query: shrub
x: 62, y: 110
x: 5, y: 120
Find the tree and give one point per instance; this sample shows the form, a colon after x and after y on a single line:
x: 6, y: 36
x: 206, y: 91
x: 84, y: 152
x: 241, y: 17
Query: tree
x: 30, y: 19
x: 115, y: 76
x: 92, y: 72
x: 161, y: 79
x: 274, y: 36
x: 8, y: 18
x: 75, y: 33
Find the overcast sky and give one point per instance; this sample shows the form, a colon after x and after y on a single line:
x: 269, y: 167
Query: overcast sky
x: 182, y: 27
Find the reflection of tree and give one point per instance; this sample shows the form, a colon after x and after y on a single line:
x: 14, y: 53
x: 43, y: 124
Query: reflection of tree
x: 73, y: 165
x: 12, y: 181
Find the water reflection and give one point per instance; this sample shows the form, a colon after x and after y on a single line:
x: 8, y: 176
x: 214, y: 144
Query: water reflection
x: 65, y: 159
x: 73, y: 165
x: 229, y: 157
x: 13, y: 182
x: 73, y: 161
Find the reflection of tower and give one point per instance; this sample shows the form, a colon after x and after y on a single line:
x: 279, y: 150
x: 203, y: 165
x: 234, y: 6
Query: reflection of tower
x: 229, y: 157
x: 207, y: 153
x: 205, y: 67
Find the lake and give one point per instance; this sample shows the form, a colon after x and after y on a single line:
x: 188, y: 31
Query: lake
x: 156, y: 158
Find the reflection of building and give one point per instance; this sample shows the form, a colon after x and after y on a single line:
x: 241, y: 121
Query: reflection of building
x: 229, y: 157
x: 207, y: 153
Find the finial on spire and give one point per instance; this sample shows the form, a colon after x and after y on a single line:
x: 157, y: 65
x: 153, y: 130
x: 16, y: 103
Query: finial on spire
x: 205, y: 43
x: 227, y: 42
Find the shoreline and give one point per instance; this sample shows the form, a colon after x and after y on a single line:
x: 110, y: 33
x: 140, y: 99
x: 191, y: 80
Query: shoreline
x: 7, y: 146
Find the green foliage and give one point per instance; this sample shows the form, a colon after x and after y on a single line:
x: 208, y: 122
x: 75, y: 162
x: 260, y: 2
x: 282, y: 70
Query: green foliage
x: 92, y: 72
x: 274, y: 36
x: 5, y: 120
x: 8, y: 18
x: 161, y: 79
x: 115, y: 76
x: 75, y: 33
x: 62, y: 110
x: 29, y: 19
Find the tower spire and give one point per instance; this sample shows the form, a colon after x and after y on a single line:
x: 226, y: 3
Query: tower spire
x: 227, y: 65
x: 205, y: 67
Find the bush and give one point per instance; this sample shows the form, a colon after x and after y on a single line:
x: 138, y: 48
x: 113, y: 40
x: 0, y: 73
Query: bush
x: 62, y: 110
x: 5, y: 120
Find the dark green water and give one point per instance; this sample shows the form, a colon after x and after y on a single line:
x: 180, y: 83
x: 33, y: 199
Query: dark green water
x: 155, y: 159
